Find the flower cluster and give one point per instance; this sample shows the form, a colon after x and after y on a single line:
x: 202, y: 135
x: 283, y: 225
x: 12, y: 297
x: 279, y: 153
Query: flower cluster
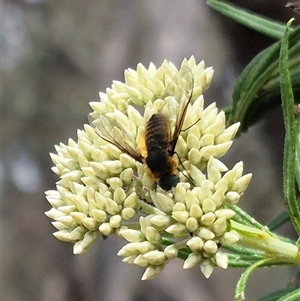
x: 104, y: 184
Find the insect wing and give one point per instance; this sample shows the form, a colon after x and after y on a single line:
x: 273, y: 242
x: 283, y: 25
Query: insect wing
x: 113, y: 132
x: 181, y: 88
x: 295, y: 6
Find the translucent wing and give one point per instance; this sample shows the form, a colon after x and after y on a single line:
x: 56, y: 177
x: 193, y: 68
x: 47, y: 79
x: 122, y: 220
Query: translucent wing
x: 113, y: 132
x: 180, y: 87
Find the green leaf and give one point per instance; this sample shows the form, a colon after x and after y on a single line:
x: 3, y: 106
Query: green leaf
x: 241, y: 285
x: 281, y: 219
x: 250, y: 253
x: 256, y: 22
x: 243, y: 217
x: 252, y: 79
x: 242, y: 261
x: 292, y: 296
x: 289, y: 158
x: 278, y: 221
x: 297, y: 129
x: 276, y: 295
x: 257, y: 89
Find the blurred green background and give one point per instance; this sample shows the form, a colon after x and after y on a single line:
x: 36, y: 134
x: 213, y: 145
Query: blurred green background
x: 56, y: 57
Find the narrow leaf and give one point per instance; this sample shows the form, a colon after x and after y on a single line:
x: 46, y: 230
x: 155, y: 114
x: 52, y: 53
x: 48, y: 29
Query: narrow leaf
x: 278, y: 221
x: 247, y: 18
x: 276, y: 295
x: 289, y: 159
x: 241, y: 285
x: 297, y: 167
x: 292, y: 296
x: 257, y: 89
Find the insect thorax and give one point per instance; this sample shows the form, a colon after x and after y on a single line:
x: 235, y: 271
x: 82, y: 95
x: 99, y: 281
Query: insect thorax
x: 159, y: 163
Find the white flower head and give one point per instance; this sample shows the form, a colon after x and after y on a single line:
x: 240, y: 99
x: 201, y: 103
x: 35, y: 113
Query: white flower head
x: 117, y: 169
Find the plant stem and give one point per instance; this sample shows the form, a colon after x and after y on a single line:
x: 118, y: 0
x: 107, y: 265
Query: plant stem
x: 268, y: 243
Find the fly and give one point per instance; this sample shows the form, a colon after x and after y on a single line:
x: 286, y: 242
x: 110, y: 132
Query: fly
x: 159, y: 157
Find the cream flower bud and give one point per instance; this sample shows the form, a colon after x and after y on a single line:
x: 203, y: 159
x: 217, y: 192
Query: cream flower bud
x: 132, y: 235
x: 232, y: 197
x: 60, y: 226
x: 218, y: 197
x: 129, y: 249
x: 67, y: 220
x: 171, y: 252
x: 229, y: 238
x: 191, y: 199
x: 104, y: 179
x: 115, y: 183
x: 196, y: 211
x: 192, y: 260
x: 90, y: 223
x: 72, y: 176
x: 177, y: 229
x: 207, y: 139
x: 232, y: 175
x: 195, y: 243
x: 83, y: 245
x: 210, y: 247
x: 127, y: 174
x: 180, y: 192
x: 105, y: 229
x: 207, y: 219
x: 115, y: 221
x: 219, y: 226
x: 160, y: 220
x: 145, y: 247
x: 78, y: 217
x: 179, y: 207
x: 63, y: 235
x: 53, y: 197
x: 206, y: 234
x: 191, y: 224
x: 141, y: 261
x: 119, y: 195
x: 208, y: 206
x: 221, y: 260
x: 155, y: 257
x: 99, y: 215
x: 112, y: 207
x: 54, y: 213
x: 222, y: 148
x: 180, y: 216
x: 194, y: 156
x: 206, y: 268
x: 193, y: 141
x: 130, y: 201
x: 128, y: 213
x: 152, y: 271
x: 114, y: 167
x: 243, y: 182
x: 162, y: 201
x: 224, y: 213
x: 152, y: 235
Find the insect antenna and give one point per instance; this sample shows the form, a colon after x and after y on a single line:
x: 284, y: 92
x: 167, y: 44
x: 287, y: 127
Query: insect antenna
x: 187, y: 175
x: 191, y: 125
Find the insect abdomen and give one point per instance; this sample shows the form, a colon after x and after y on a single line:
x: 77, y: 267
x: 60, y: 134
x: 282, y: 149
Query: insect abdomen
x: 157, y: 133
x: 157, y: 144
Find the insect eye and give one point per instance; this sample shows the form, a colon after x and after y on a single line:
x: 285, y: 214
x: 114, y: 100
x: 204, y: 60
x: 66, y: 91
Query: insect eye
x: 168, y: 182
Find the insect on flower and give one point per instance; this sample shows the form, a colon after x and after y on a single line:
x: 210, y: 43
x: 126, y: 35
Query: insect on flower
x: 158, y: 155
